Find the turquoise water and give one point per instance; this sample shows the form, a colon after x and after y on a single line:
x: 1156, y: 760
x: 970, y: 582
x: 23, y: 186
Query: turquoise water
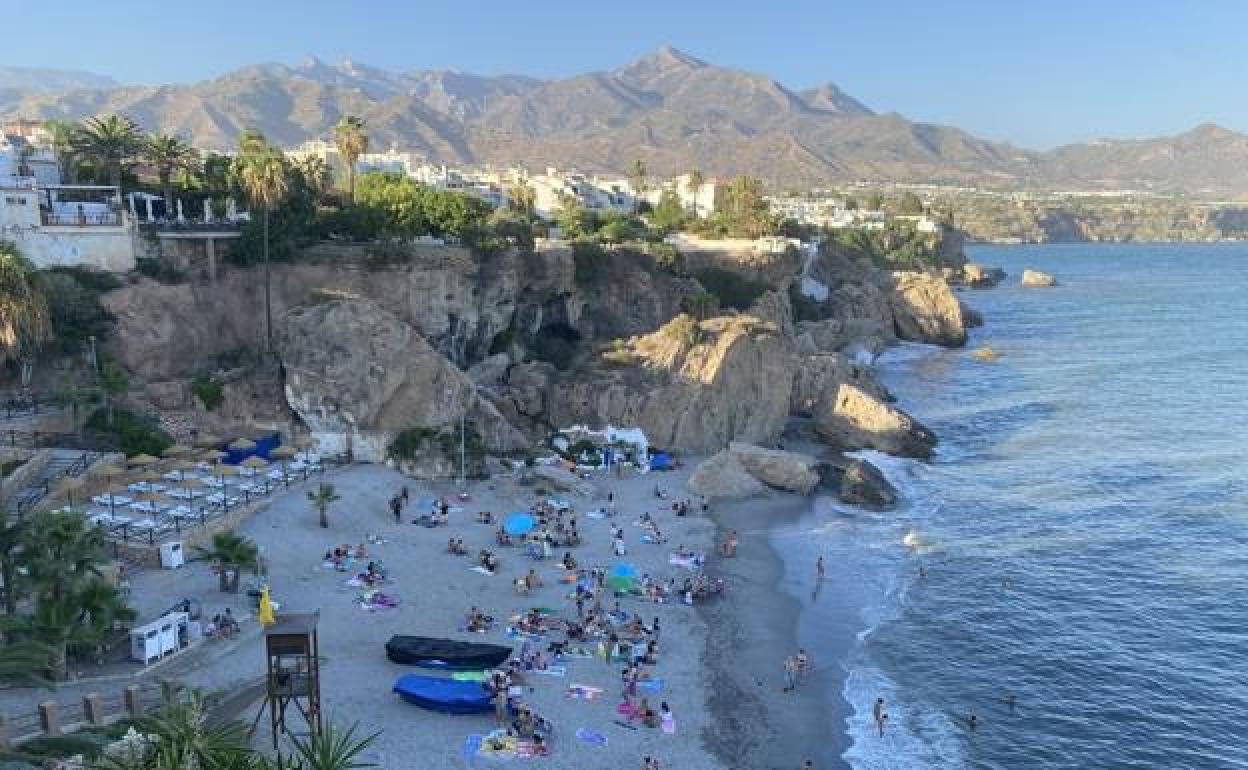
x: 1084, y: 528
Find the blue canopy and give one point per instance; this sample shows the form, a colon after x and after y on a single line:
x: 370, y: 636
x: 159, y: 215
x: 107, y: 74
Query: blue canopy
x: 446, y: 695
x: 661, y: 461
x: 624, y: 570
x: 519, y: 524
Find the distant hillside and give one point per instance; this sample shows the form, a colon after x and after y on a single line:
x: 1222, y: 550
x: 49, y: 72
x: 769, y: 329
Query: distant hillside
x: 669, y: 108
x: 42, y: 79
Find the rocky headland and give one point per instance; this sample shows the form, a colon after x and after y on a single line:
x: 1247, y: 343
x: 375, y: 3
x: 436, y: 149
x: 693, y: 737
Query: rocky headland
x: 369, y: 347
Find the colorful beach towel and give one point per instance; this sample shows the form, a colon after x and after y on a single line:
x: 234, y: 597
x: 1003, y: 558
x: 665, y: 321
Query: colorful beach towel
x: 592, y: 737
x: 482, y: 570
x: 469, y: 676
x: 651, y: 685
x: 582, y: 692
x: 551, y: 671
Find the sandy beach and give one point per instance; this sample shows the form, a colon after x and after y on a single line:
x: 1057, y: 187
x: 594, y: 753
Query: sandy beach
x: 435, y: 589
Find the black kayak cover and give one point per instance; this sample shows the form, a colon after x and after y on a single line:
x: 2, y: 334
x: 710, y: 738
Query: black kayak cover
x: 446, y: 654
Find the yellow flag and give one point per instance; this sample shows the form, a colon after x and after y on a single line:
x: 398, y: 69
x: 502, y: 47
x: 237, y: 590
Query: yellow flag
x: 266, y: 608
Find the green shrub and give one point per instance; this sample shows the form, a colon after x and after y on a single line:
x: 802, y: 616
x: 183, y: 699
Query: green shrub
x: 134, y: 434
x: 732, y: 290
x: 668, y: 258
x: 209, y: 391
x: 74, y: 306
x: 590, y: 260
x: 62, y: 746
x: 159, y: 270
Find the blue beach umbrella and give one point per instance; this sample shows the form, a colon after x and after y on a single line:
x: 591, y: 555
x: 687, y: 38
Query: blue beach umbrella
x: 519, y: 524
x: 624, y: 570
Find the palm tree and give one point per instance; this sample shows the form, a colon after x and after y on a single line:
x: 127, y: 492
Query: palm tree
x: 111, y: 141
x: 315, y: 173
x: 261, y: 170
x: 24, y: 663
x: 332, y: 749
x: 352, y: 142
x: 523, y: 198
x: 323, y: 497
x: 169, y: 155
x: 232, y: 553
x: 63, y: 133
x: 24, y: 320
x: 693, y: 183
x: 637, y: 175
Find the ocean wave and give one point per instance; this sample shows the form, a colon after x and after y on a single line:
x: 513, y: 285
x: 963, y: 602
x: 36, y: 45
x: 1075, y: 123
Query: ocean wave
x: 915, y: 737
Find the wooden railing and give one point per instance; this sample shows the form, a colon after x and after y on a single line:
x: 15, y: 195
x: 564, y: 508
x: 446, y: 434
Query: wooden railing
x: 93, y: 710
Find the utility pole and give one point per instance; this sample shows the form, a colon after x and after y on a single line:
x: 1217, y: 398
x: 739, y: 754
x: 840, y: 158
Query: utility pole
x: 462, y: 431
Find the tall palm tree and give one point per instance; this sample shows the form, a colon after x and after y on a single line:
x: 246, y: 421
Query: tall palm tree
x: 637, y: 179
x: 168, y: 155
x: 352, y: 141
x: 693, y: 183
x: 321, y: 498
x: 12, y: 540
x: 232, y: 553
x: 111, y: 141
x: 261, y: 171
x: 63, y: 133
x: 25, y: 323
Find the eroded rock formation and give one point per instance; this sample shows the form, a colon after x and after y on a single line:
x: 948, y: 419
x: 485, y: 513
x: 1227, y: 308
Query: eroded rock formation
x: 857, y: 420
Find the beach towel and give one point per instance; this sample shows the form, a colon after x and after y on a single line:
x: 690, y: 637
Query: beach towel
x: 482, y: 570
x: 622, y: 723
x: 592, y: 737
x: 582, y: 692
x: 551, y: 671
x: 669, y: 724
x: 651, y: 685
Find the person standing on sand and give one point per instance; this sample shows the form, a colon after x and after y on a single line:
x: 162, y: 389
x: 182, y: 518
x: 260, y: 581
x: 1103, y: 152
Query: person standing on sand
x: 790, y: 674
x: 808, y: 765
x: 803, y: 664
x: 500, y: 706
x: 877, y: 713
x: 819, y: 568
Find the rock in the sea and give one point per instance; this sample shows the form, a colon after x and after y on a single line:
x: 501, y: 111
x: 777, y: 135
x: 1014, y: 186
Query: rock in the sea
x: 981, y: 276
x: 689, y: 385
x: 1034, y: 279
x: 723, y: 477
x: 857, y: 420
x: 863, y: 484
x: 789, y: 471
x: 925, y: 309
x: 971, y: 317
x: 357, y: 376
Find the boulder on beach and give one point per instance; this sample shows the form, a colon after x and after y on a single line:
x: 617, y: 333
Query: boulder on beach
x: 788, y: 471
x: 856, y: 419
x: 1034, y: 279
x: 863, y: 484
x: 723, y: 477
x: 818, y: 376
x: 563, y: 480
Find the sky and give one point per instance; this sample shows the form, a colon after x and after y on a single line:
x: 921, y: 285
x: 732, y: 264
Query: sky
x: 1037, y: 74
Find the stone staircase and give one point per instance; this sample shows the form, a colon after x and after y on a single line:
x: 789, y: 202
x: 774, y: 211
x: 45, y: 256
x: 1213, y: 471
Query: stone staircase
x: 64, y: 462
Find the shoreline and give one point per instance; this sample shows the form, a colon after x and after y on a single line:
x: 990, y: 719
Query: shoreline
x: 754, y: 723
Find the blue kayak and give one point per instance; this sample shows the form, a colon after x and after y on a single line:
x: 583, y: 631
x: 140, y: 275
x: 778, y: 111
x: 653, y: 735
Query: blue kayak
x: 446, y: 695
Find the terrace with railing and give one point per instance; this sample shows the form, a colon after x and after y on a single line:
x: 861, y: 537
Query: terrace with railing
x: 80, y: 218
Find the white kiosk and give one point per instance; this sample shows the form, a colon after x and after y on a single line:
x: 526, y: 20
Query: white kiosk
x: 163, y: 636
x: 171, y: 555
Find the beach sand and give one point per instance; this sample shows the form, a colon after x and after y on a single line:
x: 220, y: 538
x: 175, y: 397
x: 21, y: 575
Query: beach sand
x: 435, y: 590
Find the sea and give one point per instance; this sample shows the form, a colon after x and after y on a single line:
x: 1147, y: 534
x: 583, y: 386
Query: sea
x: 1079, y: 541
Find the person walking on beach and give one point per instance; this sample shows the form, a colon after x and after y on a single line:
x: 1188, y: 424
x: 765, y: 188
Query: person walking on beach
x: 500, y: 706
x: 808, y: 765
x: 403, y: 494
x: 819, y: 569
x: 803, y: 664
x: 790, y: 673
x: 877, y: 713
x: 396, y: 508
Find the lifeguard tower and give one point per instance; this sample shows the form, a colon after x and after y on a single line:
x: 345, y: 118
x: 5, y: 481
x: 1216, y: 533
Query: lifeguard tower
x: 294, y: 673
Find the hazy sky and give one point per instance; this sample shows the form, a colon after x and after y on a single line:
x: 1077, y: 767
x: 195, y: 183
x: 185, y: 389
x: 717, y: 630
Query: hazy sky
x: 1034, y: 73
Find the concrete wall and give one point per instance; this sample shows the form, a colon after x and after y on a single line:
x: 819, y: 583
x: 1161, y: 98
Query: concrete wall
x: 104, y: 248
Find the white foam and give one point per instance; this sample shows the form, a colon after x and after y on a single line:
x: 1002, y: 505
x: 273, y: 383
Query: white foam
x: 913, y: 738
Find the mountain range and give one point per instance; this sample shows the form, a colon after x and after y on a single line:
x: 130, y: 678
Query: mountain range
x: 668, y: 108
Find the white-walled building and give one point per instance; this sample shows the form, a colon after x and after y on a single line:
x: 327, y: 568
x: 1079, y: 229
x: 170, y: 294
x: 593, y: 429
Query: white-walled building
x: 68, y: 225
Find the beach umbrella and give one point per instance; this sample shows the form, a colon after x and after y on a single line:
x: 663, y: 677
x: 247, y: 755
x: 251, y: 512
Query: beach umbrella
x: 620, y: 584
x: 256, y: 462
x: 265, y: 615
x: 241, y: 445
x: 214, y: 455
x: 143, y: 460
x: 518, y: 524
x: 208, y: 441
x: 306, y: 442
x: 106, y: 471
x: 176, y: 450
x: 282, y: 453
x: 624, y: 570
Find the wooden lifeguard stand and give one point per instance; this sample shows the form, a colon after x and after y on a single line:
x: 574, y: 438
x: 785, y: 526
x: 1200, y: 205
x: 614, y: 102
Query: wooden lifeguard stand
x: 294, y: 673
